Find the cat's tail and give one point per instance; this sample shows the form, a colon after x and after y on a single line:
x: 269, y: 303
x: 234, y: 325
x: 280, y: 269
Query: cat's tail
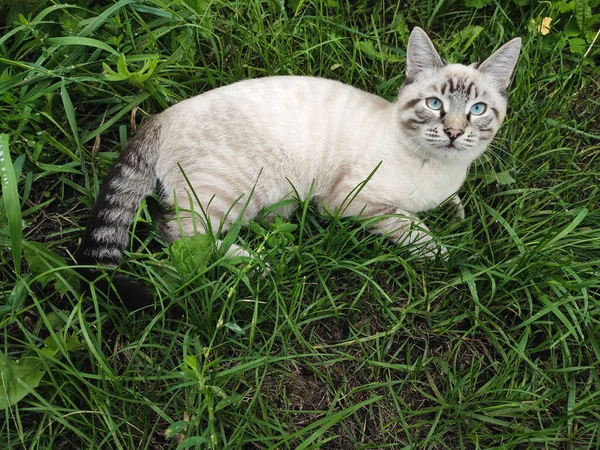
x: 131, y: 179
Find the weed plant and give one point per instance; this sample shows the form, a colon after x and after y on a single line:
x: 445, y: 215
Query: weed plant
x: 347, y: 342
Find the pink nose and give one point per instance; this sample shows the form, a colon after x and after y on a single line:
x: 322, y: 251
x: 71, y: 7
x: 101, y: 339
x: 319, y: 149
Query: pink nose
x: 453, y: 133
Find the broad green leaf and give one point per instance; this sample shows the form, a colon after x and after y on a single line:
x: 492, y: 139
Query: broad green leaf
x: 582, y: 12
x: 202, y: 9
x: 476, y: 31
x: 193, y: 441
x: 122, y: 66
x: 577, y: 45
x: 228, y: 401
x: 111, y: 75
x: 368, y: 49
x: 217, y: 390
x: 18, y: 378
x: 55, y: 321
x: 191, y: 361
x: 400, y: 27
x: 571, y: 29
x: 234, y: 327
x: 502, y: 178
x: 477, y: 3
x: 190, y: 254
x: 19, y: 293
x: 176, y: 428
x: 43, y: 263
x: 286, y: 227
x: 70, y: 343
x: 136, y: 78
x: 564, y: 6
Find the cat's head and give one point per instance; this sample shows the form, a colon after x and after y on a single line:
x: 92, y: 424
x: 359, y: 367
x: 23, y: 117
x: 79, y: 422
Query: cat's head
x: 452, y: 110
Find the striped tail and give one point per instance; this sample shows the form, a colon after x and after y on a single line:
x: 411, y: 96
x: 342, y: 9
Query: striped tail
x: 130, y: 180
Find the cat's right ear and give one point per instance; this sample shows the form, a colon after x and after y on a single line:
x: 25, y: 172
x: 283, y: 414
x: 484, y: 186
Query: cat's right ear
x: 501, y: 63
x: 421, y: 54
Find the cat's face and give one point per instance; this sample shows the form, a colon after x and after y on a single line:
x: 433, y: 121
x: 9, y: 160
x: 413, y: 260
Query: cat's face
x: 452, y: 111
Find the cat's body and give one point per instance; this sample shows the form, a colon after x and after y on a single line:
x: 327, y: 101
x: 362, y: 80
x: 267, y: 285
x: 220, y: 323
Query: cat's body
x: 247, y: 146
x: 327, y: 150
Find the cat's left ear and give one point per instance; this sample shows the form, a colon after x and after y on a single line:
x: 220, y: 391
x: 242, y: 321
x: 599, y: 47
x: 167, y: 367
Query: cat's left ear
x: 502, y: 63
x: 421, y: 54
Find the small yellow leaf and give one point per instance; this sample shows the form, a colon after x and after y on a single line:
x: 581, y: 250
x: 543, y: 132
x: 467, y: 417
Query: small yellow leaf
x: 544, y: 28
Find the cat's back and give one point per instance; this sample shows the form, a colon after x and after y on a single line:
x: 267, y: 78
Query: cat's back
x: 277, y: 99
x: 289, y: 88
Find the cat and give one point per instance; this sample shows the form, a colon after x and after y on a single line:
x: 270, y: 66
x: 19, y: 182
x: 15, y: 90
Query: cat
x: 241, y: 148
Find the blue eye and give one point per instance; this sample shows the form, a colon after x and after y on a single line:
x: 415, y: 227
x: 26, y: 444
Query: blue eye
x: 478, y: 109
x: 434, y: 103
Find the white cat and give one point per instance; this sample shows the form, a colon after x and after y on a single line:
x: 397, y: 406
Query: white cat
x: 250, y: 145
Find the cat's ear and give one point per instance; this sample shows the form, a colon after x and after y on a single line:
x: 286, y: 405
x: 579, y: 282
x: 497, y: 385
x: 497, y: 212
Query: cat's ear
x: 421, y: 54
x: 502, y: 63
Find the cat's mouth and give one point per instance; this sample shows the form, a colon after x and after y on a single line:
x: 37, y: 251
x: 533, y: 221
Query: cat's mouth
x: 452, y: 148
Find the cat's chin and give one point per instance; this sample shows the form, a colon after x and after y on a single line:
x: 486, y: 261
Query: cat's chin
x: 454, y: 152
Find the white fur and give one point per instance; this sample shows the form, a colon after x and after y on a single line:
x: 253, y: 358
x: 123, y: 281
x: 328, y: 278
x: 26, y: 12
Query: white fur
x: 285, y: 136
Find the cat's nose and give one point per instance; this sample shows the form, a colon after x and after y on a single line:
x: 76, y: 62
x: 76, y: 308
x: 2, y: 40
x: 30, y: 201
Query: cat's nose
x: 453, y: 133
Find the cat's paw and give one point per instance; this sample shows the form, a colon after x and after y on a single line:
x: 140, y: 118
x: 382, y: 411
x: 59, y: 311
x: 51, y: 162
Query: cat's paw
x: 459, y: 206
x: 422, y: 245
x: 430, y: 250
x: 250, y: 262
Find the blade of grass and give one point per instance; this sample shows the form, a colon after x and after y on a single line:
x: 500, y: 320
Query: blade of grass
x: 67, y: 40
x: 69, y: 111
x: 12, y: 204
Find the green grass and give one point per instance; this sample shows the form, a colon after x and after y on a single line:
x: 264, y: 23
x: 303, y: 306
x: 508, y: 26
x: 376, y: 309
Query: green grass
x: 347, y: 342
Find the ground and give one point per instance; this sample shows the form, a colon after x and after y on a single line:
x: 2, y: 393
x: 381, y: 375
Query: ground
x: 345, y: 341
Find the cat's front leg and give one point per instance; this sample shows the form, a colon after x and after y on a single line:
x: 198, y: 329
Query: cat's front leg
x: 459, y: 206
x: 400, y: 226
x: 406, y: 230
